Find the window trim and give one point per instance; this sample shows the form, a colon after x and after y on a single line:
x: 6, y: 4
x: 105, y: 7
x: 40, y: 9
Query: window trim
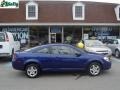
x: 68, y: 47
x: 36, y: 10
x: 83, y: 11
x: 117, y: 12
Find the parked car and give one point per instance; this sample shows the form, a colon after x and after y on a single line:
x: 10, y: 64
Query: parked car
x: 8, y: 45
x: 59, y: 57
x: 97, y: 46
x: 114, y: 44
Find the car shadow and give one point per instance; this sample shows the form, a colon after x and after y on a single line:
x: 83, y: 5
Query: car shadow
x: 77, y: 75
x: 4, y: 60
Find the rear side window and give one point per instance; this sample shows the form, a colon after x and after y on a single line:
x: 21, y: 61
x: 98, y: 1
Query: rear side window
x: 44, y: 50
x: 2, y: 37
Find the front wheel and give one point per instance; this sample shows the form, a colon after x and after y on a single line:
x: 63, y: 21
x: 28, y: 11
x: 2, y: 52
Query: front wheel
x: 32, y: 70
x: 94, y: 69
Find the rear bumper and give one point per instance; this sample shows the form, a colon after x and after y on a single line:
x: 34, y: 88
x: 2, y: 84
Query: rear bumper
x: 5, y: 55
x: 18, y: 65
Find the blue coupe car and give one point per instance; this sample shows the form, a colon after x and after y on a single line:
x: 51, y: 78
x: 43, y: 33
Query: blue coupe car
x: 59, y: 57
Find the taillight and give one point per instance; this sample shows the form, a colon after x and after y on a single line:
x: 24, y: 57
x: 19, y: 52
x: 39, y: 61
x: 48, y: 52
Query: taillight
x: 14, y: 57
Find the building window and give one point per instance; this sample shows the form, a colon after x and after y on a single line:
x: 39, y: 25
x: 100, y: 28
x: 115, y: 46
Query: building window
x: 78, y: 11
x: 31, y: 11
x: 117, y: 12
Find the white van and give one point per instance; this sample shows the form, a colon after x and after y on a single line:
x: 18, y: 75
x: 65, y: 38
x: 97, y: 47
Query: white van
x: 8, y: 45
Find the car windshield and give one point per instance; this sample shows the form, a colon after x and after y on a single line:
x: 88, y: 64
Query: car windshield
x: 91, y: 43
x: 2, y: 37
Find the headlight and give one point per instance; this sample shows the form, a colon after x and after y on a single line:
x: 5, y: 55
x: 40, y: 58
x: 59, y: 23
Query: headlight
x: 106, y: 58
x: 109, y: 51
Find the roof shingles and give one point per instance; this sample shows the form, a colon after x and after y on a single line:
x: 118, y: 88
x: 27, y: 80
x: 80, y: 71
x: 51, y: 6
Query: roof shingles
x: 58, y: 12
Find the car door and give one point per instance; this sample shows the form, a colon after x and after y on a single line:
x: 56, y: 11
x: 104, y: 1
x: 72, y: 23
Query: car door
x: 69, y: 58
x: 111, y: 45
x: 46, y: 59
x: 116, y: 45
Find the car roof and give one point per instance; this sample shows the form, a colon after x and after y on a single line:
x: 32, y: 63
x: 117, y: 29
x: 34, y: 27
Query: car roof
x: 42, y: 46
x: 58, y: 44
x: 91, y: 40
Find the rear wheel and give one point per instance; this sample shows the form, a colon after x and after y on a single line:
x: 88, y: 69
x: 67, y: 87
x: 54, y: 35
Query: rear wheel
x: 94, y: 69
x: 32, y: 70
x: 117, y: 54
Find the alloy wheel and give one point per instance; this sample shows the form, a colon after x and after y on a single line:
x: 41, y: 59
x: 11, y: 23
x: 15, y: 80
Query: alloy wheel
x: 94, y: 69
x: 32, y: 70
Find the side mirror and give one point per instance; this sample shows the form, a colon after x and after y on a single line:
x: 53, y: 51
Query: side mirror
x: 78, y: 54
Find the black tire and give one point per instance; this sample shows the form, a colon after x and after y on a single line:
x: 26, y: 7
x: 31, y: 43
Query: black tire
x: 10, y: 58
x: 94, y: 69
x: 32, y: 73
x: 117, y: 53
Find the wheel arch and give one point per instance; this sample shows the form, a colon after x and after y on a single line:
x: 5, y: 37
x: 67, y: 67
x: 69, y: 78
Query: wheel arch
x: 32, y: 62
x: 117, y: 49
x: 93, y: 62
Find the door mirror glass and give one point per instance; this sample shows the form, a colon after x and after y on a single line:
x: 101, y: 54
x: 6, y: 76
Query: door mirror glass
x: 77, y: 54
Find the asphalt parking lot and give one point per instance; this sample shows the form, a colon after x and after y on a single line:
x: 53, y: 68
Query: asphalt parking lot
x: 16, y: 80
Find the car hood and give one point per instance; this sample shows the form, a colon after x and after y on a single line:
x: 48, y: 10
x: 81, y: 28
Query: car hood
x: 97, y: 48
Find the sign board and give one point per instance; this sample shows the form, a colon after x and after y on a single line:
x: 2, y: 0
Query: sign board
x: 19, y: 33
x: 9, y: 3
x: 55, y: 29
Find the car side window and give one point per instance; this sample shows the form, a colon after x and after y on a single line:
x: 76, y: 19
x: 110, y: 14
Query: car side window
x: 54, y: 50
x: 43, y: 50
x: 110, y: 41
x: 64, y: 50
x: 75, y: 52
x: 67, y: 50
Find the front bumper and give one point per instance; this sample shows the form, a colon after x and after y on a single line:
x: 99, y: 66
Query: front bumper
x: 107, y: 65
